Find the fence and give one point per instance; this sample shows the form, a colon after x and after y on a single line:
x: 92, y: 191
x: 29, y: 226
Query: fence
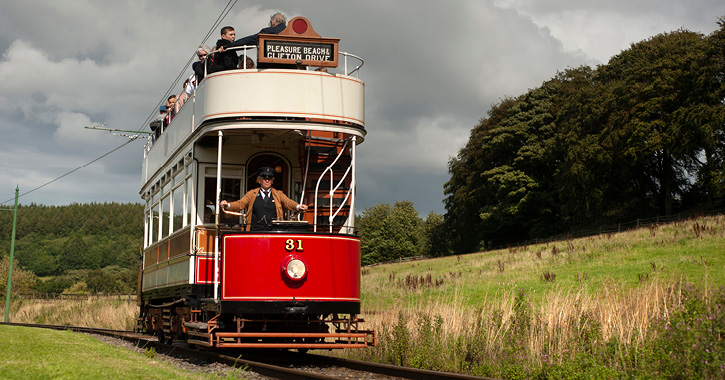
x: 613, y: 228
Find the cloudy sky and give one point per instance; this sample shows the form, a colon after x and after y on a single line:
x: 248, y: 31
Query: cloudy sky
x: 432, y: 70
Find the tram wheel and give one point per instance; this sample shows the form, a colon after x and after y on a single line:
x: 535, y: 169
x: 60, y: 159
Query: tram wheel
x: 161, y: 337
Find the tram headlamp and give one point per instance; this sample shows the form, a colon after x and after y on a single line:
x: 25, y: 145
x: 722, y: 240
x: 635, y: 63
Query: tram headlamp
x: 294, y: 268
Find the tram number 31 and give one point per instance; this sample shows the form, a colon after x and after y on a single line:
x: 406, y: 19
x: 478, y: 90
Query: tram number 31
x: 293, y: 245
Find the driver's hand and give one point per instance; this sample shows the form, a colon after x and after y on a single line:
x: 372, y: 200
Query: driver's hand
x: 223, y: 204
x: 303, y: 207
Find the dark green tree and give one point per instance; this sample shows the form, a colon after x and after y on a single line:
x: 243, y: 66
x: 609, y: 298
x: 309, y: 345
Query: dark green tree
x: 657, y: 100
x: 75, y: 254
x: 389, y: 233
x: 639, y: 136
x: 465, y: 191
x: 372, y: 234
x: 434, y: 236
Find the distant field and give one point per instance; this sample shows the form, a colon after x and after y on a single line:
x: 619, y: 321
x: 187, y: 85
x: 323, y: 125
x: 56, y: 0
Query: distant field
x: 692, y: 251
x: 642, y: 303
x: 27, y: 353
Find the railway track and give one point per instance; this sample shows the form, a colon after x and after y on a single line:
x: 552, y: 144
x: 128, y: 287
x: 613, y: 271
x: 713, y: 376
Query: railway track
x: 275, y: 364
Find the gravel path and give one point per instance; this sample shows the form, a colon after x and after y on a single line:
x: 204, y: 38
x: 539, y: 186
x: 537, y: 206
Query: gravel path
x: 187, y: 364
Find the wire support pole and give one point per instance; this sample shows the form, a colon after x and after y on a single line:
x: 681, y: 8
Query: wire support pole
x: 12, y: 257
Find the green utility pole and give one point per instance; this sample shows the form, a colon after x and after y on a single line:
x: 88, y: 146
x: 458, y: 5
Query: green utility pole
x: 12, y: 254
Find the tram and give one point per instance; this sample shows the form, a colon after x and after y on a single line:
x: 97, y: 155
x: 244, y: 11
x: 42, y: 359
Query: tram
x: 205, y: 279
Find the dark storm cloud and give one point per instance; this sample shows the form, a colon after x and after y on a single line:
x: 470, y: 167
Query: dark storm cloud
x: 432, y: 70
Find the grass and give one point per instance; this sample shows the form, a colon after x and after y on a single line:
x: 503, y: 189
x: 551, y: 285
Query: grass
x: 675, y: 250
x: 27, y: 353
x: 644, y: 303
x: 598, y: 307
x: 108, y: 312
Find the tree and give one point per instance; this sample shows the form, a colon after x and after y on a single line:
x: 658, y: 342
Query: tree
x: 389, y: 233
x: 76, y: 255
x: 434, y: 236
x: 465, y: 191
x: 372, y: 235
x: 23, y: 280
x: 657, y: 104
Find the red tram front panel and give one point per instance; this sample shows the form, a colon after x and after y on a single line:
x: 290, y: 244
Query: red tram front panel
x: 254, y: 268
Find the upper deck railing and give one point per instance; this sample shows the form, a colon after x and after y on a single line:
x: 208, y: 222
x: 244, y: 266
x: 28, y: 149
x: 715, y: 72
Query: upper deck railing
x: 242, y: 97
x: 244, y: 49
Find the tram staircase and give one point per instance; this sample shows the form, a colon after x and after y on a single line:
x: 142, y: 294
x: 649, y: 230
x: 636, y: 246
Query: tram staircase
x: 329, y: 176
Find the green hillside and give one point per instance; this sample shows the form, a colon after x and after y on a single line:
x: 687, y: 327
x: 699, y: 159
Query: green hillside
x: 597, y: 307
x: 94, y: 243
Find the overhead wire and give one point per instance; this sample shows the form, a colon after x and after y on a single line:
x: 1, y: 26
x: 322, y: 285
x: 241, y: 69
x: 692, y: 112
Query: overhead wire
x: 170, y: 90
x: 70, y: 172
x: 218, y: 21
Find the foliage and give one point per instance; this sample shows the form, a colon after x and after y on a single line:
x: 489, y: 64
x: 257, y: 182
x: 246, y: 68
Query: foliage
x: 689, y: 344
x: 389, y: 233
x: 111, y: 279
x: 642, y: 135
x: 23, y: 280
x: 434, y: 236
x: 51, y: 240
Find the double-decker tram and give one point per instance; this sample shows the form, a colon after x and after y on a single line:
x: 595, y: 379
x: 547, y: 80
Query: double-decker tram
x: 206, y: 278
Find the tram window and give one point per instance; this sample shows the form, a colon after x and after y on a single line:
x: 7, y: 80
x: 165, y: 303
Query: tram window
x: 164, y: 220
x: 231, y: 191
x: 154, y: 223
x: 189, y: 200
x: 178, y: 217
x: 269, y: 160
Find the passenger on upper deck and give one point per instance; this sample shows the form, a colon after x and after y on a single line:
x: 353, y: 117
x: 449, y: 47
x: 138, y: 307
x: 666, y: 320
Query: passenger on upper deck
x: 277, y: 23
x: 264, y: 204
x: 249, y: 63
x: 181, y: 99
x: 169, y: 109
x: 198, y: 66
x: 223, y: 59
x: 155, y: 125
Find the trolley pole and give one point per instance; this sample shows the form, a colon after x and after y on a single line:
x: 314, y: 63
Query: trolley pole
x: 12, y: 254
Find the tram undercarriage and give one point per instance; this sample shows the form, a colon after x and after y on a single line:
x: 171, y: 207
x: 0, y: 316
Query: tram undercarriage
x: 176, y: 322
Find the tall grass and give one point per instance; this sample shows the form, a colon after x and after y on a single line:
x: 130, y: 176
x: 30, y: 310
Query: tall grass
x: 100, y: 312
x: 608, y: 306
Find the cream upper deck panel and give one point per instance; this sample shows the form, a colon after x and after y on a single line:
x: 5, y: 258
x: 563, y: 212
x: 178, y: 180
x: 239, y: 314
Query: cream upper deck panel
x: 228, y: 96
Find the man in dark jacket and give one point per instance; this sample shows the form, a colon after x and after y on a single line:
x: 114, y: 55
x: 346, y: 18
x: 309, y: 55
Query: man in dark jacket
x: 224, y: 59
x: 263, y: 204
x: 277, y: 23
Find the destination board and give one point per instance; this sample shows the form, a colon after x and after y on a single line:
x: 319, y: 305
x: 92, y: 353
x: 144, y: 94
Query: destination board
x: 298, y: 50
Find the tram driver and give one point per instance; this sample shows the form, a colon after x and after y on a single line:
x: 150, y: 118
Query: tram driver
x: 263, y: 204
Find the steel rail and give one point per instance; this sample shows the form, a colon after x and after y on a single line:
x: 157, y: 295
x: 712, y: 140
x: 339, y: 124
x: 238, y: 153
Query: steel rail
x: 378, y: 368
